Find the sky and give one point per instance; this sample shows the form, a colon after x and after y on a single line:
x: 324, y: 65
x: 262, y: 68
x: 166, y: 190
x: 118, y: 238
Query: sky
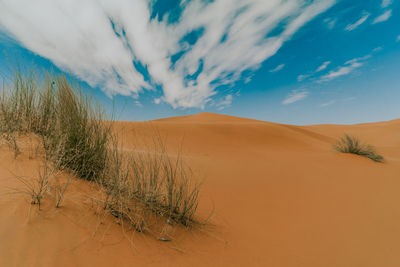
x: 287, y: 61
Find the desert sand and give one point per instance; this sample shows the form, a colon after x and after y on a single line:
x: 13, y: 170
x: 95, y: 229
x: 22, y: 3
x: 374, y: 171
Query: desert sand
x: 279, y: 195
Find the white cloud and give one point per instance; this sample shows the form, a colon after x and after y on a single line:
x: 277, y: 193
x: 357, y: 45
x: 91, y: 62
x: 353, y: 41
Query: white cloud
x: 384, y: 17
x: 377, y: 49
x: 225, y: 103
x: 248, y: 79
x: 398, y: 39
x: 327, y: 103
x: 278, y: 68
x: 302, y: 77
x: 295, y: 96
x: 358, y: 59
x: 319, y: 69
x: 323, y: 66
x: 353, y: 26
x: 330, y: 22
x: 386, y: 3
x: 346, y: 69
x: 78, y: 37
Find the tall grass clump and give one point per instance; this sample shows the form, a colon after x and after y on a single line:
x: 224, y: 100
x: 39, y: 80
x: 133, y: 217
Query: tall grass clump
x: 80, y: 132
x: 138, y: 186
x: 142, y: 184
x: 351, y: 144
x: 73, y: 132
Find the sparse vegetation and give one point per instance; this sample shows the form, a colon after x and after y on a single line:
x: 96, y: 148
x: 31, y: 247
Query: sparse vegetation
x: 139, y: 183
x: 36, y: 187
x: 75, y: 137
x: 350, y: 144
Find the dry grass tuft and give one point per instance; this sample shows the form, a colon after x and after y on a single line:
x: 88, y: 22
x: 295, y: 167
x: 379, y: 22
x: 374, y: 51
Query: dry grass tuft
x: 141, y: 185
x: 350, y: 144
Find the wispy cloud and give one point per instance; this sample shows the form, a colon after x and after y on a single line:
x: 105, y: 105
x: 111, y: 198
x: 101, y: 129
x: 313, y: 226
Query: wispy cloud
x: 377, y: 49
x: 137, y: 103
x: 353, y: 26
x: 327, y: 103
x: 248, y: 79
x: 225, y: 103
x: 384, y: 17
x: 323, y: 66
x: 278, y: 68
x: 341, y: 71
x: 302, y: 77
x: 330, y: 22
x: 386, y: 3
x: 295, y: 96
x: 358, y: 59
x: 348, y: 67
x: 398, y: 39
x: 98, y: 40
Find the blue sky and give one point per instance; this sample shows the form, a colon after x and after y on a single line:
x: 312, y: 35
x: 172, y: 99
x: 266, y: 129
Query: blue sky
x: 295, y: 61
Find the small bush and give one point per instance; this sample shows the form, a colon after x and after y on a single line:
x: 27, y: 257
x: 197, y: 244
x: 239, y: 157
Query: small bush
x: 138, y: 182
x: 350, y: 144
x: 73, y: 132
x: 37, y: 187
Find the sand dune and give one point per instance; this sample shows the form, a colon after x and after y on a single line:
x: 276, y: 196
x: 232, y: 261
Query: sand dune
x: 281, y: 197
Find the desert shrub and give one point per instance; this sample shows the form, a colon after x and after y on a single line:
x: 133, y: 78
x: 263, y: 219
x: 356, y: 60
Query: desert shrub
x: 350, y: 144
x: 37, y: 187
x: 76, y: 137
x: 72, y: 131
x: 80, y: 132
x: 153, y: 181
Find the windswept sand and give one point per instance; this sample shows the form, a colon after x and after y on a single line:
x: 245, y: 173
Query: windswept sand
x: 280, y: 196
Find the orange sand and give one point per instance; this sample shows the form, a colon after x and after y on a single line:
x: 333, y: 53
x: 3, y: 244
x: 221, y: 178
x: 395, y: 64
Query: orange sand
x: 281, y: 197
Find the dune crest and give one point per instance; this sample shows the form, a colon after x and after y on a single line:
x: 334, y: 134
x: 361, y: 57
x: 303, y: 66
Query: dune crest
x: 205, y: 117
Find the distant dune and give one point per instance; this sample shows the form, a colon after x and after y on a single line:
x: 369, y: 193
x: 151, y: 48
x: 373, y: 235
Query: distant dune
x: 279, y: 196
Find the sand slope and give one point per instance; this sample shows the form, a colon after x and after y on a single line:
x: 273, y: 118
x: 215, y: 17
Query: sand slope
x: 281, y: 197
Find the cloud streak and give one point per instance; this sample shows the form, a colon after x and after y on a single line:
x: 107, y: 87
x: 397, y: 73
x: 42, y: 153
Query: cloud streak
x: 295, y: 96
x: 278, y: 68
x: 384, y: 17
x: 121, y: 47
x: 347, y: 68
x: 330, y: 22
x: 302, y: 77
x: 327, y: 103
x: 386, y: 3
x: 225, y: 103
x: 355, y: 25
x: 323, y: 66
x: 341, y: 71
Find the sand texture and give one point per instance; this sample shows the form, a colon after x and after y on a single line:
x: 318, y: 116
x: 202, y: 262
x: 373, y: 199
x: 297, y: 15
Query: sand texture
x: 279, y: 196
